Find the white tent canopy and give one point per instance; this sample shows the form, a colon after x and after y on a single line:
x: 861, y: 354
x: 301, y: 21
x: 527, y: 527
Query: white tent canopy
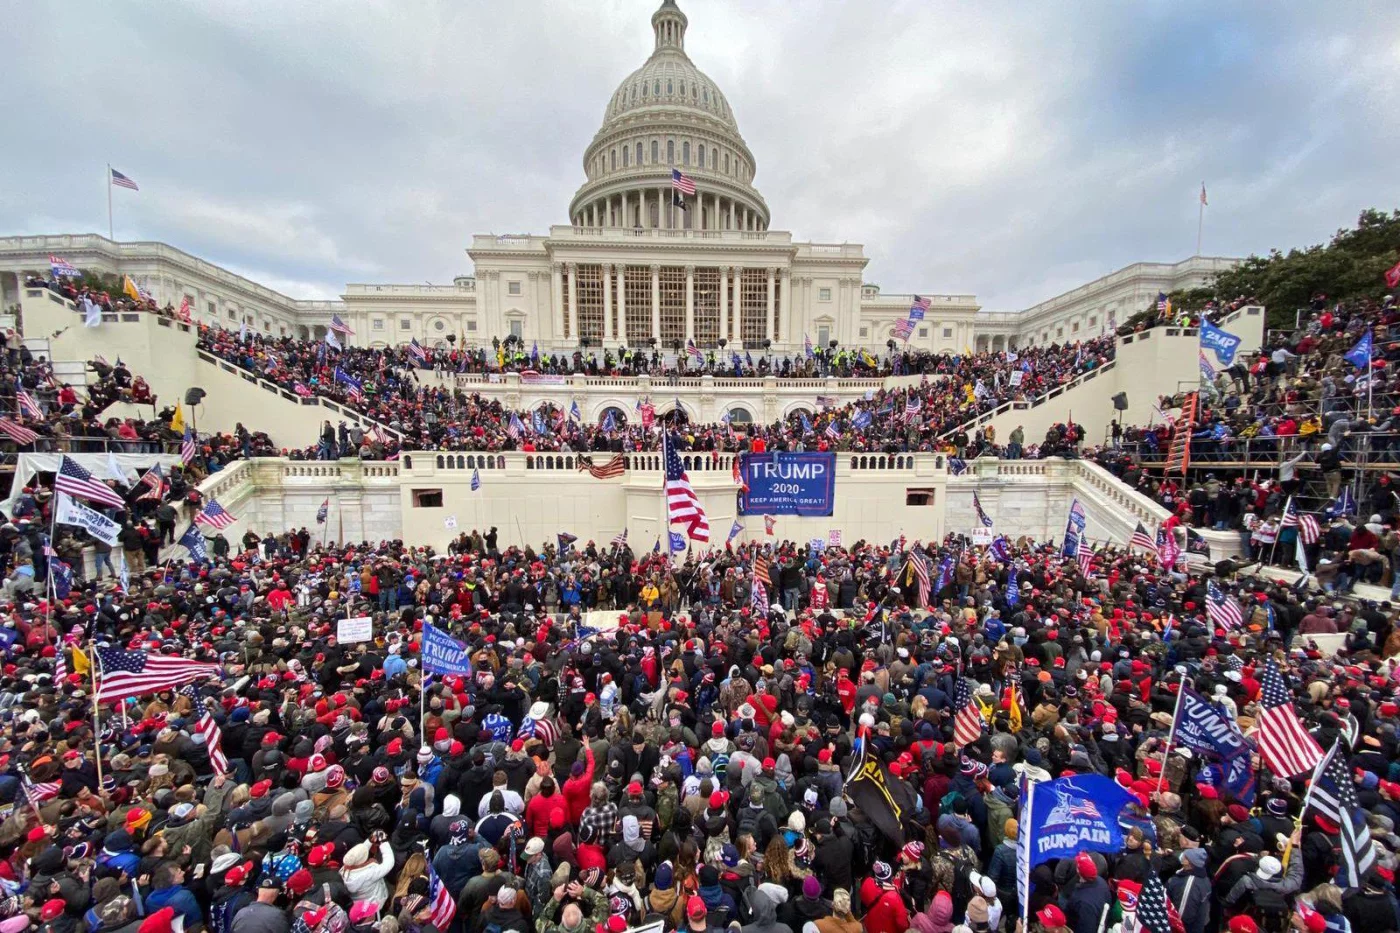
x: 123, y: 467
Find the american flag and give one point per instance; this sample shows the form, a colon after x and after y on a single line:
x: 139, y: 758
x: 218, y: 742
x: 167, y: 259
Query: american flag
x: 340, y: 327
x: 1142, y: 538
x: 60, y: 664
x: 693, y: 351
x: 442, y: 904
x: 185, y: 309
x: 38, y: 793
x: 62, y: 267
x: 1154, y: 909
x: 1334, y: 796
x: 515, y: 427
x: 682, y: 505
x: 121, y: 181
x: 903, y: 328
x: 769, y: 523
x: 967, y: 720
x: 1167, y: 548
x: 912, y: 406
x: 918, y: 308
x: 982, y: 516
x: 415, y: 350
x: 354, y: 388
x: 620, y: 539
x: 614, y: 467
x: 1085, y: 556
x: 78, y: 482
x: 1308, y: 528
x: 832, y: 431
x: 543, y: 729
x: 919, y: 562
x: 154, y: 481
x: 323, y: 512
x: 215, y: 516
x: 28, y: 405
x: 760, y: 570
x: 188, y: 448
x: 214, y: 742
x: 1222, y: 610
x: 17, y: 432
x: 682, y: 182
x: 1285, y: 745
x: 122, y: 674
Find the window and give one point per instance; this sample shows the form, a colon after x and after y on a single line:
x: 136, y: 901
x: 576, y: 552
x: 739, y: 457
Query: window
x: 232, y: 315
x: 639, y: 153
x: 614, y: 160
x: 1059, y: 332
x: 1093, y: 321
x: 517, y: 328
x: 625, y: 153
x: 644, y: 90
x: 406, y: 324
x: 714, y: 159
x: 706, y: 95
x: 512, y: 288
x: 656, y: 87
x: 670, y: 152
x: 471, y: 326
x: 823, y: 335
x: 920, y: 496
x: 947, y: 333
x: 923, y: 331
x: 701, y: 161
x: 378, y: 325
x: 211, y: 308
x: 1074, y: 328
x: 670, y: 88
x: 682, y: 88
x: 726, y: 162
x: 685, y: 152
x: 427, y: 498
x: 655, y: 152
x: 865, y: 332
x: 823, y: 294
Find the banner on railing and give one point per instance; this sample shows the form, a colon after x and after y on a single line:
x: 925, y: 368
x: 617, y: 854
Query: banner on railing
x: 788, y: 483
x: 542, y: 379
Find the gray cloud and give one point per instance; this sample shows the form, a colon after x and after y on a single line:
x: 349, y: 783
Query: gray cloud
x: 1009, y: 150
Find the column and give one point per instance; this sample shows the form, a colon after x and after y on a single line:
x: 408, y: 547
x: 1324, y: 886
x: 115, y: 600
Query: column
x: 724, y: 301
x: 714, y: 213
x: 785, y: 303
x: 656, y: 302
x: 573, y: 301
x: 736, y: 317
x: 689, y: 302
x: 607, y: 301
x: 661, y: 220
x: 621, y: 304
x: 624, y: 220
x: 556, y: 303
x: 733, y: 215
x: 769, y: 328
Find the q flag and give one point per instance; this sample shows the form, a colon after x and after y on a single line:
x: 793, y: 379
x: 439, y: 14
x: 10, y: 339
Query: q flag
x: 443, y: 654
x: 1071, y: 815
x: 882, y: 797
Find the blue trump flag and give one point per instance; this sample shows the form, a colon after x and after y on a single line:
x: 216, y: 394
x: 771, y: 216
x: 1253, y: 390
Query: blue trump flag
x: 1071, y: 815
x: 193, y: 542
x: 1203, y: 727
x: 1222, y: 342
x: 443, y: 654
x: 677, y: 542
x: 1360, y: 355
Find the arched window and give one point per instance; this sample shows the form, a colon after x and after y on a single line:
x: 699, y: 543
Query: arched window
x: 625, y: 153
x: 669, y: 88
x: 639, y: 153
x: 670, y: 152
x: 656, y: 87
x: 706, y: 95
x: 685, y: 152
x: 644, y: 90
x: 682, y: 88
x: 726, y: 162
x: 714, y: 159
x: 701, y: 161
x: 655, y: 152
x: 614, y: 160
x: 634, y: 93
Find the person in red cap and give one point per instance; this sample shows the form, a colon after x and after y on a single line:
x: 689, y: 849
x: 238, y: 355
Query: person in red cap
x: 1051, y: 919
x: 1086, y: 903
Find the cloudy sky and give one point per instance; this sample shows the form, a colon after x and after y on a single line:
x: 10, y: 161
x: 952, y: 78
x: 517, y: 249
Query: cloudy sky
x: 1011, y: 150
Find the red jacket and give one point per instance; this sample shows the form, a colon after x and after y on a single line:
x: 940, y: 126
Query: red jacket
x: 887, y: 913
x: 538, y: 810
x: 576, y: 789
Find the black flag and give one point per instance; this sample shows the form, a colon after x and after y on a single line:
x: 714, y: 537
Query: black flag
x: 882, y: 797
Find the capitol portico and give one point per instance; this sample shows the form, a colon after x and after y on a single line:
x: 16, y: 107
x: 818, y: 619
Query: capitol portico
x: 637, y: 264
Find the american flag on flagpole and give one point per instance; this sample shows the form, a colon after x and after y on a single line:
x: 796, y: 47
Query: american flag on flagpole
x: 340, y: 327
x: 215, y: 516
x: 214, y: 742
x: 188, y: 448
x: 682, y: 504
x: 967, y: 720
x: 620, y: 539
x: 682, y: 182
x: 415, y: 350
x: 1085, y: 557
x: 1285, y: 745
x: 1222, y: 610
x: 616, y: 466
x: 121, y: 181
x: 693, y: 351
x: 1154, y: 909
x: 912, y: 407
x: 17, y: 432
x: 78, y: 482
x: 903, y: 329
x: 1334, y: 796
x: 38, y: 793
x: 122, y: 674
x: 442, y: 905
x: 28, y: 405
x: 919, y: 562
x: 1142, y: 538
x: 760, y: 570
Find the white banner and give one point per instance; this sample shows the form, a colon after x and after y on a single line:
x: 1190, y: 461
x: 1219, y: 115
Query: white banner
x: 1016, y: 377
x: 73, y: 512
x: 357, y: 629
x: 981, y: 535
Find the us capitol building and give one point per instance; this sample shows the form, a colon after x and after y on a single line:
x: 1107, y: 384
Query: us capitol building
x: 632, y: 267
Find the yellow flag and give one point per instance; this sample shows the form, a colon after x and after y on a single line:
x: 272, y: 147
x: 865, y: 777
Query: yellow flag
x: 129, y: 287
x: 80, y: 661
x: 177, y: 421
x: 1015, y: 712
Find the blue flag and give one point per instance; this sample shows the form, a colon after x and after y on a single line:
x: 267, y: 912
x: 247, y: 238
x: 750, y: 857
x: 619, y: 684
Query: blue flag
x: 957, y: 466
x: 734, y: 531
x: 574, y: 413
x: 1072, y: 815
x: 806, y: 422
x: 1360, y: 355
x: 476, y: 480
x: 443, y: 654
x: 677, y: 542
x: 62, y: 578
x: 1203, y: 727
x: 1222, y: 342
x: 193, y: 542
x: 1235, y: 775
x: 609, y: 422
x: 1013, y: 595
x: 861, y: 420
x: 1001, y: 550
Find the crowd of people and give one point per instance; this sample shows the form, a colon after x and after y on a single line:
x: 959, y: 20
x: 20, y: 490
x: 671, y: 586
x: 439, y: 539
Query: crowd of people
x: 685, y: 760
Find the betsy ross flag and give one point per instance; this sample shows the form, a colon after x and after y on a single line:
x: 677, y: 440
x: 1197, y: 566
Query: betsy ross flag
x: 214, y: 743
x: 682, y: 504
x: 1334, y: 797
x: 614, y: 467
x: 1287, y: 748
x: 17, y: 432
x: 1221, y: 609
x: 215, y: 516
x: 682, y: 182
x: 123, y: 674
x: 121, y: 181
x: 1142, y: 538
x: 967, y: 720
x: 79, y: 483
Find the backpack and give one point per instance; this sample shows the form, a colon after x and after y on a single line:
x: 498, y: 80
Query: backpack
x: 1270, y: 910
x: 720, y: 764
x: 962, y: 882
x: 946, y: 804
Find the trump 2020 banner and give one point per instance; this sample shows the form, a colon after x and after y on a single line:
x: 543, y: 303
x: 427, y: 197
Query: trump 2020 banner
x: 443, y: 654
x: 788, y: 484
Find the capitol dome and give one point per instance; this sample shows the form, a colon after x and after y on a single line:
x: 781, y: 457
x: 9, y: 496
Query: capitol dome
x: 668, y: 116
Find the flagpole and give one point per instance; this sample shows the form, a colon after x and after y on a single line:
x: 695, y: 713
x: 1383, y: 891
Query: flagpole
x: 110, y: 235
x: 96, y: 713
x: 1171, y: 733
x: 1200, y: 220
x: 1279, y: 530
x: 1025, y: 858
x: 1307, y: 797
